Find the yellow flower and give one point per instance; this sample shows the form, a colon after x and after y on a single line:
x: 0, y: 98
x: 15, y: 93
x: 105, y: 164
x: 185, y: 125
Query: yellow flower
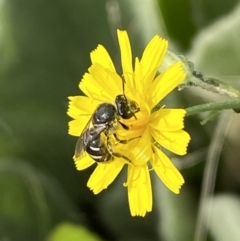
x: 153, y: 128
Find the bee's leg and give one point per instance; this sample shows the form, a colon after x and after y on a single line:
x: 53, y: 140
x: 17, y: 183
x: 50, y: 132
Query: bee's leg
x: 124, y: 141
x: 125, y: 127
x: 116, y: 154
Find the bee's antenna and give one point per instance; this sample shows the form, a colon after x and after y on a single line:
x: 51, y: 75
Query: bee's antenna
x: 123, y: 88
x: 135, y: 117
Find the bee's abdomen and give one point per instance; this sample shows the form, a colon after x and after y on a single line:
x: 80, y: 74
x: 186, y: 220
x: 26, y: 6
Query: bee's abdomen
x: 98, y: 151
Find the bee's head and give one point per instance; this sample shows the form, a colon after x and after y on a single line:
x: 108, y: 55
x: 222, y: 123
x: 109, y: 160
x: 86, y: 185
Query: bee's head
x: 126, y: 108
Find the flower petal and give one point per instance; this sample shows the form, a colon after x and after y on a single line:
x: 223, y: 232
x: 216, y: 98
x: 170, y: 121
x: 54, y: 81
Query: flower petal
x: 138, y: 78
x: 126, y: 57
x: 140, y: 149
x: 81, y: 106
x: 101, y: 84
x: 152, y: 58
x: 139, y: 190
x: 166, y: 171
x: 76, y: 127
x: 104, y: 174
x: 101, y: 56
x: 176, y: 141
x: 93, y: 88
x: 165, y: 83
x: 83, y: 162
x: 168, y: 119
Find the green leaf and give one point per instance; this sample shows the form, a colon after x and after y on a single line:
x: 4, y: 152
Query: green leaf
x: 71, y: 232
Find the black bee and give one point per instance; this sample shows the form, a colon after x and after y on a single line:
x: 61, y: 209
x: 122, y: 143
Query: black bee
x: 103, y: 122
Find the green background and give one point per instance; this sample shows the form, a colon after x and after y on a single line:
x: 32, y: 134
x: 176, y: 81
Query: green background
x: 44, y: 51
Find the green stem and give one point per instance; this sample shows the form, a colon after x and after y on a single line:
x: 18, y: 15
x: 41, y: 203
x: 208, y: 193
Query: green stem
x: 235, y: 104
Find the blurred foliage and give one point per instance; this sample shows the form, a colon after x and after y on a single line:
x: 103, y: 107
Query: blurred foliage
x: 44, y: 48
x: 225, y: 215
x: 178, y: 20
x: 31, y: 202
x: 71, y: 232
x: 184, y: 18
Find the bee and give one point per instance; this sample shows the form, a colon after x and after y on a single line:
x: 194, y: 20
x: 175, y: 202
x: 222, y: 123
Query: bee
x: 104, y: 121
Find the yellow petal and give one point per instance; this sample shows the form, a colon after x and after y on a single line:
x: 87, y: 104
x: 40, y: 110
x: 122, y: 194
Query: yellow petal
x: 83, y: 162
x: 81, y: 106
x: 130, y: 134
x: 165, y: 83
x: 104, y: 174
x: 101, y: 84
x: 168, y: 119
x: 139, y: 190
x: 76, y: 127
x: 126, y: 57
x: 94, y: 88
x: 152, y: 58
x: 140, y: 150
x: 176, y: 141
x: 101, y: 56
x: 166, y: 171
x: 138, y: 78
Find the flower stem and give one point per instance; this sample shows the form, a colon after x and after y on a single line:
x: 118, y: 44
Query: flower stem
x: 234, y: 104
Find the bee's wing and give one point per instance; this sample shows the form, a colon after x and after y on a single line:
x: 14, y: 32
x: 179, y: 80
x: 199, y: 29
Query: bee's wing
x: 83, y: 140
